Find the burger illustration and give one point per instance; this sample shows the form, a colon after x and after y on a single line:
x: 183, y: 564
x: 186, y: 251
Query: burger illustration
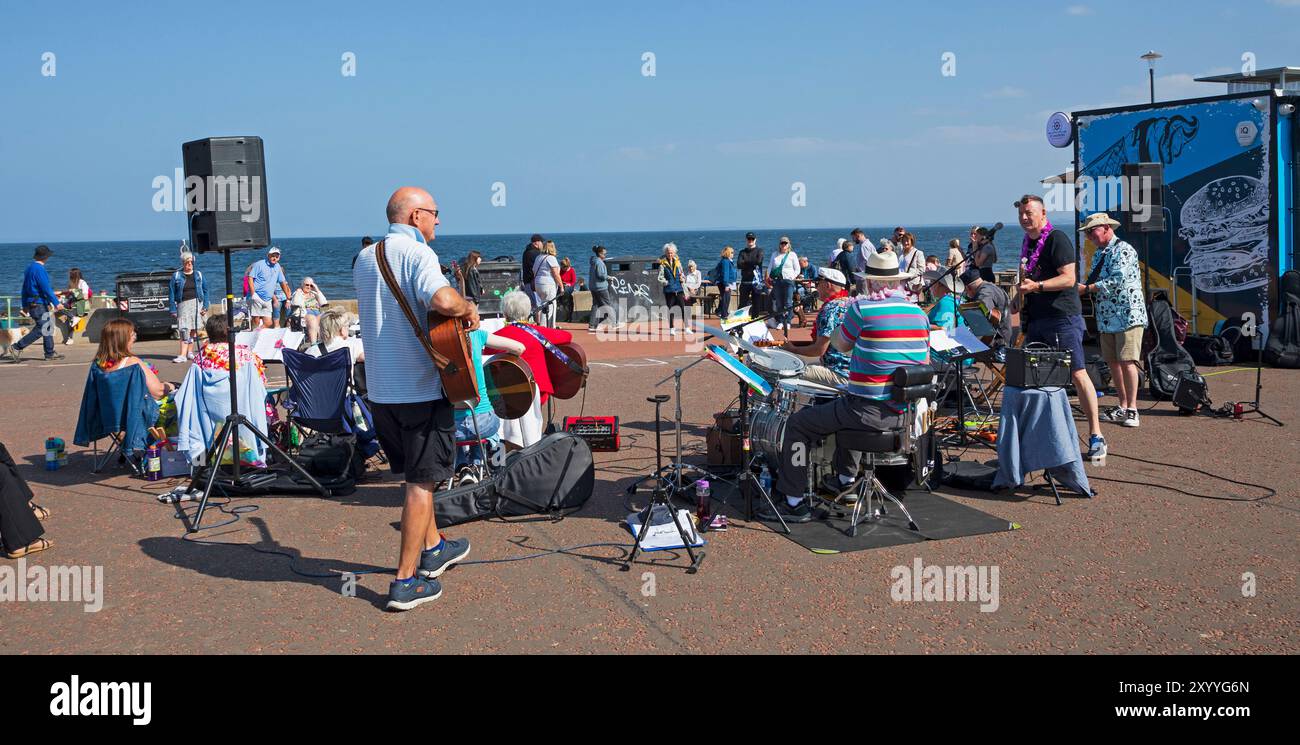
x: 1225, y: 224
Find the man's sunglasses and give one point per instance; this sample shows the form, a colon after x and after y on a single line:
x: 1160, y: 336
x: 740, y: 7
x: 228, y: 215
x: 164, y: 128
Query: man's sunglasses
x: 424, y: 209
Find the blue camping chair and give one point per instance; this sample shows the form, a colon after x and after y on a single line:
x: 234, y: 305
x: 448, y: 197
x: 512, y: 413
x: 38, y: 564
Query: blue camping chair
x: 321, y: 396
x: 318, y: 388
x: 116, y: 405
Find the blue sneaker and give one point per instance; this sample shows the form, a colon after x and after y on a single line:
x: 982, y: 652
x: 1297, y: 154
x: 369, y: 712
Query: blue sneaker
x: 435, y: 561
x: 407, y: 595
x: 1096, y: 447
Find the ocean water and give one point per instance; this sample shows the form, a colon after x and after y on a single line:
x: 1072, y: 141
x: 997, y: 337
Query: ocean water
x: 329, y: 260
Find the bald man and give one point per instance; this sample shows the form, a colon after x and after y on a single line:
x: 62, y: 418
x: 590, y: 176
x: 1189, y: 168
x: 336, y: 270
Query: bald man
x: 413, y: 419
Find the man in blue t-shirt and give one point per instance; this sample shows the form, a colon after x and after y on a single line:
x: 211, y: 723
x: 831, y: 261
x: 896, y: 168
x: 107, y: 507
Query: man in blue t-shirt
x: 37, y: 298
x: 267, y: 277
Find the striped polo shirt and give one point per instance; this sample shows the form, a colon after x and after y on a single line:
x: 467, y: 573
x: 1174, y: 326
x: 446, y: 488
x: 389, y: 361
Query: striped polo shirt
x: 887, y: 334
x: 398, y: 370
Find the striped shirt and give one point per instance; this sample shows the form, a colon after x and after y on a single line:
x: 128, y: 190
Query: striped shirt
x: 887, y: 334
x: 398, y: 370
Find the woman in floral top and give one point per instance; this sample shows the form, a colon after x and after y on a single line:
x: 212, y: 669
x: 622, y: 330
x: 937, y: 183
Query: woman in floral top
x: 1120, y: 309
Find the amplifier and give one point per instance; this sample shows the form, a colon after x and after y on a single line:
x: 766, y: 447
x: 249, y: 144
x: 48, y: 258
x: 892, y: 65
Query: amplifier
x: 1038, y: 367
x: 600, y: 432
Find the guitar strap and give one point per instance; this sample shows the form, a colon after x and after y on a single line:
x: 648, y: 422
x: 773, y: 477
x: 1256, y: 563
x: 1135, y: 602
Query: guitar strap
x: 574, y: 367
x: 439, y: 361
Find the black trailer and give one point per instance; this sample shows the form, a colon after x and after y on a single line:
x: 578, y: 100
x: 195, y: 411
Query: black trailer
x: 145, y: 298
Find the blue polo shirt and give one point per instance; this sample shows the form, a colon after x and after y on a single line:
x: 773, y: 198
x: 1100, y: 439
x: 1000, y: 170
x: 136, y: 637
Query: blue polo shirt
x: 266, y: 278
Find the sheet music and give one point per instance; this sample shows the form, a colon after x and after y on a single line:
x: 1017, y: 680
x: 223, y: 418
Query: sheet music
x: 941, y: 342
x: 267, y: 343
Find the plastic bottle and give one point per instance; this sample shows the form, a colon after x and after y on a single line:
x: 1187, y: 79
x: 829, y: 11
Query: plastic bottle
x: 765, y: 478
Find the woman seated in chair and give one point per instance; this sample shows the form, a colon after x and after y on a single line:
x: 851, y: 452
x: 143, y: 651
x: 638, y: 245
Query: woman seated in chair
x: 527, y: 429
x: 203, y: 400
x: 336, y: 332
x: 20, y: 518
x: 115, y: 354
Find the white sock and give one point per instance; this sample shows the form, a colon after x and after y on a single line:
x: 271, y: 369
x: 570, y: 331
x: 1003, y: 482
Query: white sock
x: 793, y: 501
x: 845, y: 480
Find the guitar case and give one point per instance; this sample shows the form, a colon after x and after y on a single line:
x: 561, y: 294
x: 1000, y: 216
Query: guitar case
x: 1283, y: 346
x: 553, y: 477
x: 1167, y: 360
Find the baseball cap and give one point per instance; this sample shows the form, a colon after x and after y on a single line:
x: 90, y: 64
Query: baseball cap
x: 970, y: 275
x: 274, y: 250
x: 750, y: 236
x: 536, y: 238
x: 43, y: 252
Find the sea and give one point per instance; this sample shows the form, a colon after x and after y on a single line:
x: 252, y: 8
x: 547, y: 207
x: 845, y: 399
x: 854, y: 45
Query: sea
x: 328, y: 261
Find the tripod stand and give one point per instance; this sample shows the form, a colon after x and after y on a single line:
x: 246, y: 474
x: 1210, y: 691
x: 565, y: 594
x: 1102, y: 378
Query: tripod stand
x: 659, y: 498
x: 1252, y: 407
x: 678, y: 468
x: 229, y: 432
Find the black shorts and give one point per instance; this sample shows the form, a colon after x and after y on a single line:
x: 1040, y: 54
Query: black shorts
x: 1060, y: 332
x: 417, y: 438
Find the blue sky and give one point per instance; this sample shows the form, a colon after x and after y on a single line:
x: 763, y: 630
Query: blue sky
x: 549, y: 98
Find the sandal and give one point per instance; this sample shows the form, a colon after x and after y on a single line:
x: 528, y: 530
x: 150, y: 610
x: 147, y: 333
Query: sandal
x: 41, y: 512
x: 36, y: 546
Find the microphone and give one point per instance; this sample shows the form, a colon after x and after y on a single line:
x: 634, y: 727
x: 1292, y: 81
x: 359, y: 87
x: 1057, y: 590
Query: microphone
x: 993, y: 230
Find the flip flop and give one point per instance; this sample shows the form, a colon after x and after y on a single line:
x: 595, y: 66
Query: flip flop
x: 41, y: 512
x: 40, y: 544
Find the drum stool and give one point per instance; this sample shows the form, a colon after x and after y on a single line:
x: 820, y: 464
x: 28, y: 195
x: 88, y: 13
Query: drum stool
x: 869, y: 490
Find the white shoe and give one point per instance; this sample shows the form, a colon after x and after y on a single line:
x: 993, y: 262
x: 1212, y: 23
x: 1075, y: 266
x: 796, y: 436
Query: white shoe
x: 179, y: 358
x: 672, y: 332
x: 690, y: 332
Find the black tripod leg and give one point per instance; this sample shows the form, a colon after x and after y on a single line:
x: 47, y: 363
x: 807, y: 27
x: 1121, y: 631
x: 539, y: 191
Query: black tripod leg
x: 214, y: 463
x: 640, y: 536
x: 1052, y: 483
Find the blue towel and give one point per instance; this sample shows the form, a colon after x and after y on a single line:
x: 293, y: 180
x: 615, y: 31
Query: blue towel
x: 116, y: 401
x: 1037, y: 434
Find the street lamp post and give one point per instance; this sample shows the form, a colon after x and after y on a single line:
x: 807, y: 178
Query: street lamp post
x: 1151, y: 58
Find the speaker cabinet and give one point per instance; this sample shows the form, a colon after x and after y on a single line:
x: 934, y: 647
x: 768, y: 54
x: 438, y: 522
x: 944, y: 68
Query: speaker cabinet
x: 225, y: 194
x: 1144, y: 185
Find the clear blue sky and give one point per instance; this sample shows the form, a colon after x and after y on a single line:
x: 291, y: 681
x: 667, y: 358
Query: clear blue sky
x: 749, y: 97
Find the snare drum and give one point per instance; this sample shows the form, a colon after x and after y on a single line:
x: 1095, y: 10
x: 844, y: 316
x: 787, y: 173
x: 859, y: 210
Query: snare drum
x: 774, y: 365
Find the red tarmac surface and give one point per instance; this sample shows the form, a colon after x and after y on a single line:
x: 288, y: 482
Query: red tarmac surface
x: 1137, y: 569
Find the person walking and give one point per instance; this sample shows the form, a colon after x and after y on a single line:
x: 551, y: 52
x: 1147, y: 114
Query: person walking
x: 39, y: 302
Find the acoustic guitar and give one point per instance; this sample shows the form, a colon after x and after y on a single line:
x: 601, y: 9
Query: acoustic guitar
x: 447, y: 341
x: 567, y: 381
x: 509, y: 383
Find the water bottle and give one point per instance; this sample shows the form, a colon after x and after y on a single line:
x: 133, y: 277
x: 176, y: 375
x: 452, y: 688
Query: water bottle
x: 358, y: 418
x: 153, y: 463
x: 702, y: 496
x: 765, y: 478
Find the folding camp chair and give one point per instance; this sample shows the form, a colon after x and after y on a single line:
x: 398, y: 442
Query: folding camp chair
x: 116, y: 405
x: 318, y: 387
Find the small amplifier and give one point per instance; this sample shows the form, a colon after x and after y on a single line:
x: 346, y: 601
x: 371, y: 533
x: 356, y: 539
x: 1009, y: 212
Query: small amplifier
x: 1038, y: 367
x: 600, y: 432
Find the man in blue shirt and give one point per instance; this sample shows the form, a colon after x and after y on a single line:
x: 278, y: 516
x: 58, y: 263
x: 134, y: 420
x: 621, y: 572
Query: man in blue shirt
x: 267, y: 276
x: 37, y: 297
x: 413, y: 418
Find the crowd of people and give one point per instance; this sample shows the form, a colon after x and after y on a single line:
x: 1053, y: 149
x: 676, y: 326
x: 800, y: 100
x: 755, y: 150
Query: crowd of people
x: 868, y: 320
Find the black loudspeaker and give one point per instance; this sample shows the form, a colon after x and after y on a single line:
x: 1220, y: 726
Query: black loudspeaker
x: 227, y: 204
x: 1036, y: 367
x: 1144, y: 184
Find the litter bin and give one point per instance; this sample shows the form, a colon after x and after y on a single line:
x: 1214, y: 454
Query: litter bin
x: 144, y: 298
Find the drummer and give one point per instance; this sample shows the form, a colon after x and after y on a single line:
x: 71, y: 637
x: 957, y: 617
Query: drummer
x: 832, y: 288
x: 882, y: 330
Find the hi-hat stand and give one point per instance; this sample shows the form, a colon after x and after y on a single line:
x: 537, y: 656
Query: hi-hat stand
x: 228, y: 435
x: 659, y: 498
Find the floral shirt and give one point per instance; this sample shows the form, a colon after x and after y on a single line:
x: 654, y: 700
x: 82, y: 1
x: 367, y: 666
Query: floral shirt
x: 217, y: 357
x: 828, y: 320
x: 1119, y: 304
